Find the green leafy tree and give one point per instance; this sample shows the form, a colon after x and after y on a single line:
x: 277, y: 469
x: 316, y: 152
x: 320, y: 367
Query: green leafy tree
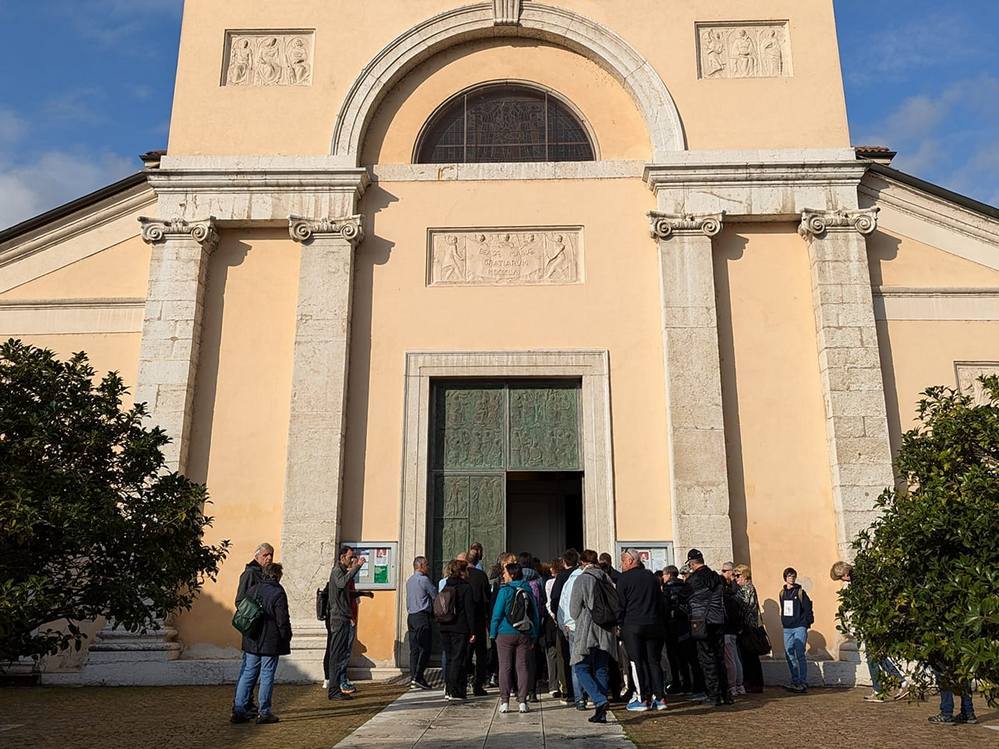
x: 90, y: 523
x: 925, y: 584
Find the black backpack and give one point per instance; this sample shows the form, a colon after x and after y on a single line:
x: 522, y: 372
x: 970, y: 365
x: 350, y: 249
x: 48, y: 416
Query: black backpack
x: 323, y: 603
x: 446, y: 605
x: 518, y: 611
x: 606, y: 604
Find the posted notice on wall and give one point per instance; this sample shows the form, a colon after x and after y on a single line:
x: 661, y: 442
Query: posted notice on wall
x: 654, y: 554
x: 380, y: 568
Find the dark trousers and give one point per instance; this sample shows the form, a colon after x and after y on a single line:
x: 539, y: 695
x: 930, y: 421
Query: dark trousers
x: 455, y: 645
x: 480, y: 651
x: 514, y: 651
x: 679, y: 672
x: 752, y: 671
x: 711, y: 656
x: 564, y: 674
x: 420, y: 642
x: 337, y: 649
x: 644, y: 645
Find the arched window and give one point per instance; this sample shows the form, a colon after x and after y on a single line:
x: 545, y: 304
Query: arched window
x: 504, y: 122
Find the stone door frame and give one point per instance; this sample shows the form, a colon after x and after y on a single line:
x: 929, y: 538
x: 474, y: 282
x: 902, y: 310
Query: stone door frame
x: 591, y: 367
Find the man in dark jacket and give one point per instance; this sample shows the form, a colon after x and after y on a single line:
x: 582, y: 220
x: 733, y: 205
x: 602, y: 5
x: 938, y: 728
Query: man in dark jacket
x: 796, y: 617
x: 707, y: 622
x: 272, y: 640
x: 680, y: 649
x: 252, y: 575
x: 341, y: 616
x: 482, y: 598
x: 642, y: 632
x: 570, y: 561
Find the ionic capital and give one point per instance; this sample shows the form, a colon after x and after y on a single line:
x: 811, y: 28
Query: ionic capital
x: 204, y: 232
x: 666, y: 225
x: 818, y: 223
x: 304, y: 229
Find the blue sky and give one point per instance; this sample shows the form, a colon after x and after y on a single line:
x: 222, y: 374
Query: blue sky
x: 87, y: 86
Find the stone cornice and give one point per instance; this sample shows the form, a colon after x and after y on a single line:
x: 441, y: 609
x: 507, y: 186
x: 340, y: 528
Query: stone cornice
x: 666, y: 225
x: 204, y: 232
x: 818, y: 223
x: 304, y: 229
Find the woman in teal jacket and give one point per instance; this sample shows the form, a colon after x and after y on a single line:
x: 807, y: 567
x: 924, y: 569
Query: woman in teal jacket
x: 513, y: 645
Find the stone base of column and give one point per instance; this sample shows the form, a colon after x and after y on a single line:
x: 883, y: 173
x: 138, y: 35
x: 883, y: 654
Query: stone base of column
x: 820, y: 673
x: 308, y: 651
x: 120, y: 646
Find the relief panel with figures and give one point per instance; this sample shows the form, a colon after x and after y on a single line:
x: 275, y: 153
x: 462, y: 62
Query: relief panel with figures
x: 268, y: 58
x: 523, y: 257
x: 744, y: 50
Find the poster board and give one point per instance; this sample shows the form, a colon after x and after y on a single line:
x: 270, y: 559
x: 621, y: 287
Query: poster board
x: 381, y: 570
x: 655, y: 554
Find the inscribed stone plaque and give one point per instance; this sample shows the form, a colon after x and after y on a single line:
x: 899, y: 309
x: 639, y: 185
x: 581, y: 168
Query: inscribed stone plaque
x: 747, y: 49
x: 968, y: 374
x: 505, y: 257
x: 268, y: 58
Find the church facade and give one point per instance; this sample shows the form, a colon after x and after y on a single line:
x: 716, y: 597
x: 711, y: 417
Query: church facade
x: 573, y: 273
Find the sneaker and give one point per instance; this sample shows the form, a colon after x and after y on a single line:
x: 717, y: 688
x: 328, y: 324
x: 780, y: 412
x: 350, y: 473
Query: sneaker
x: 343, y: 697
x: 238, y: 717
x: 326, y: 683
x: 657, y: 705
x: 742, y: 690
x: 969, y: 719
x: 422, y: 684
x: 902, y: 693
x: 504, y: 707
x: 698, y: 697
x: 459, y: 698
x: 581, y: 705
x: 599, y: 715
x: 637, y: 706
x: 875, y: 697
x: 447, y: 697
x: 532, y: 697
x: 348, y: 688
x: 524, y: 708
x: 267, y: 718
x: 556, y: 695
x: 942, y: 720
x: 479, y: 692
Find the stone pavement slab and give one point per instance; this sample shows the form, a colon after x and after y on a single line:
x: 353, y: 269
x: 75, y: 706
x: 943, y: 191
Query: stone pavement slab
x: 424, y: 720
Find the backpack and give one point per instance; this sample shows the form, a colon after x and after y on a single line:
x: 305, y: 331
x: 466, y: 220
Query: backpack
x: 518, y: 611
x: 249, y: 616
x: 606, y: 604
x: 323, y: 603
x: 446, y: 605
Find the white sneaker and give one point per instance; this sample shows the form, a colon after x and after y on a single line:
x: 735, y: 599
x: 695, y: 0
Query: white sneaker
x: 326, y: 683
x: 524, y: 708
x: 504, y: 707
x: 742, y: 690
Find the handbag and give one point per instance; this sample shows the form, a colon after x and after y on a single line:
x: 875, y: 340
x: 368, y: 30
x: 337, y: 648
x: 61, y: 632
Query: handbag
x: 755, y: 640
x: 249, y: 616
x: 698, y: 628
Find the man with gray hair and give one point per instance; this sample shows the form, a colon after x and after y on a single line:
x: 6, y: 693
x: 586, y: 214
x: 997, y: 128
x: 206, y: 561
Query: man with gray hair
x: 420, y: 593
x: 253, y: 574
x: 643, y: 630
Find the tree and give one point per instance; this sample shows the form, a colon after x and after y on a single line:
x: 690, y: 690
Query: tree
x: 925, y: 584
x: 91, y: 524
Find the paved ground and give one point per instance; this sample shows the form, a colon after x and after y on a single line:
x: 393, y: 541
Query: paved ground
x: 197, y: 718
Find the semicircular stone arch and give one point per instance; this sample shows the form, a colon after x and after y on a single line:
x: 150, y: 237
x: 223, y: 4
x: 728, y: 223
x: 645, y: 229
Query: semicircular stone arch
x: 472, y: 22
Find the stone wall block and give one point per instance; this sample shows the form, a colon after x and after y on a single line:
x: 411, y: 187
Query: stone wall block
x: 834, y: 337
x: 689, y: 317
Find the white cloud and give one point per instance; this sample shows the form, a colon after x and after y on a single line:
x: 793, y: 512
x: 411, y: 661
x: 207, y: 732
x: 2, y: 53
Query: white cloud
x: 12, y: 126
x: 53, y: 178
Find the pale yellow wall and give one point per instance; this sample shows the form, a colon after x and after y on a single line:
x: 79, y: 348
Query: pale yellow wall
x: 240, y: 431
x: 779, y: 481
x: 614, y: 123
x: 806, y: 110
x: 121, y: 271
x: 107, y: 352
x: 898, y: 260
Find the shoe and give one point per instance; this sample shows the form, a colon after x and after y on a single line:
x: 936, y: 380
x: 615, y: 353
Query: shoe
x: 902, y: 693
x: 342, y: 696
x: 698, y: 697
x: 493, y: 682
x: 875, y: 697
x: 581, y: 706
x: 459, y: 698
x: 727, y: 700
x: 741, y: 690
x: 348, y: 688
x: 966, y: 719
x: 326, y: 683
x: 524, y: 708
x: 267, y: 718
x: 422, y: 684
x: 238, y: 717
x: 532, y: 697
x: 479, y: 692
x: 447, y: 697
x: 942, y: 720
x: 504, y: 707
x: 675, y: 689
x: 657, y: 705
x: 637, y: 706
x: 599, y: 715
x: 556, y: 695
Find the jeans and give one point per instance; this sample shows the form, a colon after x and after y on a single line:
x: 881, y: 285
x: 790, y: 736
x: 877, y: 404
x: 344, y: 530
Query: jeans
x: 420, y: 643
x: 242, y: 668
x: 878, y: 667
x: 263, y: 666
x: 733, y: 663
x: 946, y: 701
x: 591, y: 674
x: 794, y: 651
x: 578, y: 692
x: 340, y: 671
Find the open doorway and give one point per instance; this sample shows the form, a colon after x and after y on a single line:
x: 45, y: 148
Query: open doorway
x: 544, y: 512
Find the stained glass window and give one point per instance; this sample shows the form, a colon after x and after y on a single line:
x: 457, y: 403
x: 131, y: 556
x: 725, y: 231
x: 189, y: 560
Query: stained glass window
x: 504, y: 123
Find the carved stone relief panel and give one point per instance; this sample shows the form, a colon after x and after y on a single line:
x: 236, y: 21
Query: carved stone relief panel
x: 968, y: 374
x: 268, y: 58
x: 544, y: 428
x: 744, y: 49
x: 505, y: 257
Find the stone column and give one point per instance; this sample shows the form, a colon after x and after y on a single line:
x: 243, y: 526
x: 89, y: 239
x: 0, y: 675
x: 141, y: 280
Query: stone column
x: 860, y: 458
x: 171, y: 328
x: 698, y: 470
x: 311, y: 524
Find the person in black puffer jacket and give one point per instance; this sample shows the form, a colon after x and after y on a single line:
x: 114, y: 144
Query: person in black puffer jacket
x: 707, y: 625
x: 457, y: 635
x: 685, y: 672
x: 261, y: 652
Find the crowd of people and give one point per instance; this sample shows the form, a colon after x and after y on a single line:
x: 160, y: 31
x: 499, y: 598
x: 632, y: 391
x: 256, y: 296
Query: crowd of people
x: 575, y: 627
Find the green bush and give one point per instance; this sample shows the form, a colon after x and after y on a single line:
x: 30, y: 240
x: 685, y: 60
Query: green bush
x: 925, y: 583
x: 90, y: 523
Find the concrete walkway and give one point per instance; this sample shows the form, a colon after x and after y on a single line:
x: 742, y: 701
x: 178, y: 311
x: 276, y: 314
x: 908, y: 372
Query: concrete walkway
x: 423, y: 720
